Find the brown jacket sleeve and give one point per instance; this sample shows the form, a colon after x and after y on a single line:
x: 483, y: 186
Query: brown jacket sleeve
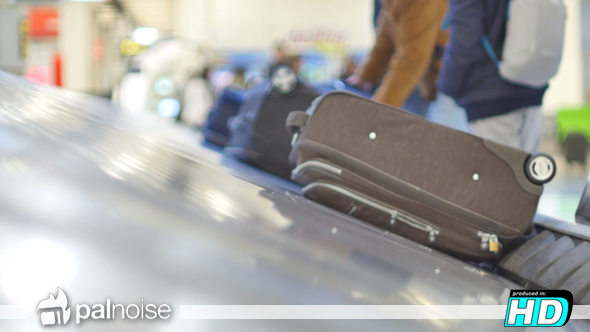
x: 427, y: 86
x: 375, y: 66
x: 413, y: 27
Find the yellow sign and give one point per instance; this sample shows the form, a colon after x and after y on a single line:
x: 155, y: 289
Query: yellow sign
x: 128, y: 47
x: 25, y: 37
x: 330, y: 46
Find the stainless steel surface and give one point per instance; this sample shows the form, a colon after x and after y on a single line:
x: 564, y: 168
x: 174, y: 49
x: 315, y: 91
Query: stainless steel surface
x: 580, y: 231
x: 109, y: 205
x: 583, y: 210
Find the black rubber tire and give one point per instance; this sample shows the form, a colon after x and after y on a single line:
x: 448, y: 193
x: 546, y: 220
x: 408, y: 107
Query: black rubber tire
x: 532, y: 168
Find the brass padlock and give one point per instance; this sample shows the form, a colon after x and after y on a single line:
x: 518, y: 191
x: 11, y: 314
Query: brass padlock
x: 494, y: 245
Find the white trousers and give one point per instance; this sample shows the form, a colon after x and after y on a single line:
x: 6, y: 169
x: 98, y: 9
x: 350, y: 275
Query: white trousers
x: 522, y: 128
x: 446, y: 112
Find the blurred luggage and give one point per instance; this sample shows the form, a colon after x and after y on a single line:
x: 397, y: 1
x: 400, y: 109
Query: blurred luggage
x: 573, y: 121
x: 196, y: 102
x: 227, y: 106
x: 432, y: 184
x: 575, y: 147
x: 257, y: 134
x: 573, y: 132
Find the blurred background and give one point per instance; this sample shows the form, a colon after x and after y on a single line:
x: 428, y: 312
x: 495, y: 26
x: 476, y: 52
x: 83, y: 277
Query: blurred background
x: 148, y: 55
x: 90, y: 46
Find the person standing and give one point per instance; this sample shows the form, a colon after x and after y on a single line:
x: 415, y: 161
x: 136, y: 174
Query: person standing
x: 407, y: 33
x: 496, y: 109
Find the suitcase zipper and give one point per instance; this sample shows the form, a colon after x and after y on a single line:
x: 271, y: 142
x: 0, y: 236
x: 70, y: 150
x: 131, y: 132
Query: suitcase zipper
x: 432, y: 231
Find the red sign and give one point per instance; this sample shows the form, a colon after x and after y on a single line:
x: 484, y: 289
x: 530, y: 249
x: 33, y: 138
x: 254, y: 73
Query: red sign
x: 43, y: 21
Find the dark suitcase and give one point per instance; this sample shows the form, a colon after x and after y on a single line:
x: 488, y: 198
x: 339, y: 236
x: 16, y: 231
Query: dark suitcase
x: 437, y: 186
x: 257, y: 134
x: 226, y: 106
x: 576, y: 147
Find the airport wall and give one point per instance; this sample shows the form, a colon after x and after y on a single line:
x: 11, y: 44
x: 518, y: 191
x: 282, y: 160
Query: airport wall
x: 256, y: 24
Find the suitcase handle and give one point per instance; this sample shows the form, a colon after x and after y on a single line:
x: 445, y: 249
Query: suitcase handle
x: 296, y: 120
x: 395, y: 215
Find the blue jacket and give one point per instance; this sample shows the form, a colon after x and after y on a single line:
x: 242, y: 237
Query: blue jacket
x: 468, y: 74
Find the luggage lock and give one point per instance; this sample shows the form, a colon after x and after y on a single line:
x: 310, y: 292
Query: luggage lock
x: 489, y: 242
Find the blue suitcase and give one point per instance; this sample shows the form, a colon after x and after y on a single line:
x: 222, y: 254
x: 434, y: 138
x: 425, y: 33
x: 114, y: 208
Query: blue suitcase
x: 226, y: 106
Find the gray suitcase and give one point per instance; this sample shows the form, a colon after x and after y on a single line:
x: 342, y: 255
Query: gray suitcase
x: 432, y: 184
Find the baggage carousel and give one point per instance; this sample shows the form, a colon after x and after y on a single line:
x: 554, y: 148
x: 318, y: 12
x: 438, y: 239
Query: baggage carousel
x: 105, y: 204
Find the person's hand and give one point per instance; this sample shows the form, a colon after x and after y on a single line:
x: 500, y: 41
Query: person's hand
x: 356, y: 82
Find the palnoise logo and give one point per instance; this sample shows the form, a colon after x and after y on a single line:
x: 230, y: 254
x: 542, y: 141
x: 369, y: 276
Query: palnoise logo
x: 54, y: 310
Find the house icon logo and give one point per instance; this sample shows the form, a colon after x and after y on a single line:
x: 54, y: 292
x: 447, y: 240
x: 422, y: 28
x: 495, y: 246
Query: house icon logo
x: 54, y: 310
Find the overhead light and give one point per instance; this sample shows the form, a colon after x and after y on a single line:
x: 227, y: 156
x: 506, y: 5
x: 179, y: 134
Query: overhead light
x: 169, y: 108
x: 164, y: 86
x: 145, y: 36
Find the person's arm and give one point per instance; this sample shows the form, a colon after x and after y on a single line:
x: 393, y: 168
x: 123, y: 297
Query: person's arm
x: 428, y: 84
x: 464, y: 47
x: 417, y: 24
x: 374, y: 68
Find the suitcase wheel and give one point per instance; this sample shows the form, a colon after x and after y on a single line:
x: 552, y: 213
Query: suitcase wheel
x: 284, y: 80
x: 540, y: 168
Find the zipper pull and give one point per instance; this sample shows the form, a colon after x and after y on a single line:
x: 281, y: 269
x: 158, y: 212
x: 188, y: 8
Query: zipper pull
x: 393, y: 219
x: 432, y: 233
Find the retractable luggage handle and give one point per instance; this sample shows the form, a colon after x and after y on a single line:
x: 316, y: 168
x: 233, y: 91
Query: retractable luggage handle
x: 295, y: 121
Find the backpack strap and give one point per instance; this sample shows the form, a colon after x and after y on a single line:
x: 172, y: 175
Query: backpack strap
x: 445, y: 23
x: 487, y: 46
